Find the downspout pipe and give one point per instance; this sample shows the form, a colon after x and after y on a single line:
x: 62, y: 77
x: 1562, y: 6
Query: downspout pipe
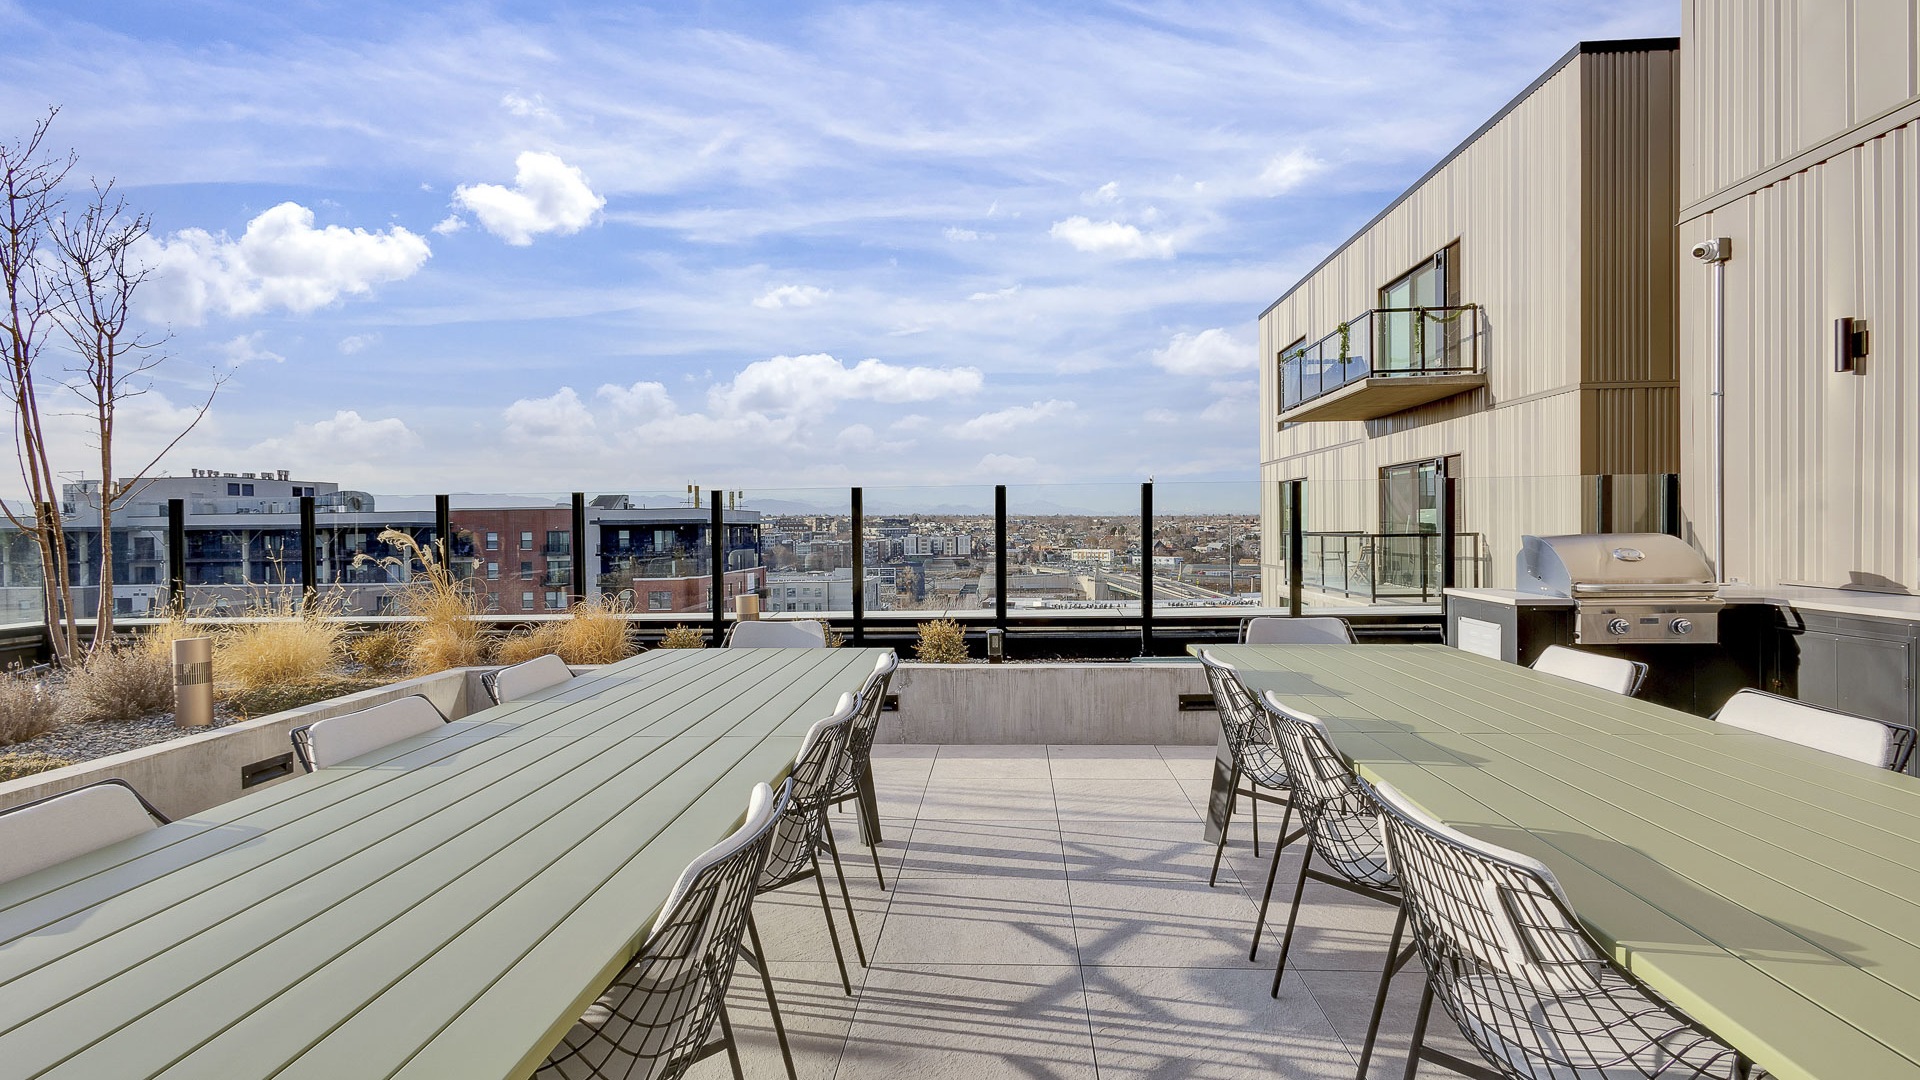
x: 1715, y: 254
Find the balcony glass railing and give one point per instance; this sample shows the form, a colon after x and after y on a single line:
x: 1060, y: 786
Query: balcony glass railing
x: 1383, y: 342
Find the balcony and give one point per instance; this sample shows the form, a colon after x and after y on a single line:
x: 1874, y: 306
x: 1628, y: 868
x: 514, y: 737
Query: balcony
x: 1381, y: 362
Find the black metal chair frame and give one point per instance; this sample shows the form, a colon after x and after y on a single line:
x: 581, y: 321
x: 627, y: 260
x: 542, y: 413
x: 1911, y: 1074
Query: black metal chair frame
x: 794, y: 854
x: 1529, y: 966
x: 853, y: 773
x: 1331, y: 807
x: 692, y: 956
x: 1255, y: 758
x: 112, y: 781
x: 302, y: 736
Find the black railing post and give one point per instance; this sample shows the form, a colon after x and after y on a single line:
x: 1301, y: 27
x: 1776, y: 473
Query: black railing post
x: 309, y: 566
x: 443, y: 528
x: 859, y: 568
x: 579, y: 547
x: 1296, y: 544
x: 717, y: 530
x: 1146, y: 569
x: 1449, y: 525
x: 177, y: 554
x: 1670, y: 504
x: 1000, y: 558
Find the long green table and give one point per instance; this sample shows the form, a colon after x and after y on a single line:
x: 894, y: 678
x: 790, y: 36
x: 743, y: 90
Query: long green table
x: 1771, y: 891
x: 444, y: 907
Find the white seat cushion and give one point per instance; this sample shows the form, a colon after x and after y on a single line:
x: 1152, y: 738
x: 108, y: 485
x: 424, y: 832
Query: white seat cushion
x: 68, y: 826
x: 1606, y: 672
x: 777, y: 635
x: 343, y: 738
x: 1316, y: 630
x: 1853, y: 737
x: 529, y: 677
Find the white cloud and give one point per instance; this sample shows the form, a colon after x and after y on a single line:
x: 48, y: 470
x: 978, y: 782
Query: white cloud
x: 1210, y: 352
x: 547, y: 196
x: 560, y: 419
x: 1007, y: 465
x: 533, y: 106
x: 1287, y: 171
x: 997, y: 294
x: 245, y: 349
x: 1004, y: 422
x: 354, y: 343
x: 1112, y: 238
x: 959, y: 235
x: 281, y: 261
x: 450, y: 224
x: 1107, y: 193
x: 787, y: 296
x: 792, y: 384
x: 643, y: 401
x: 1161, y: 416
x: 346, y: 434
x: 911, y: 422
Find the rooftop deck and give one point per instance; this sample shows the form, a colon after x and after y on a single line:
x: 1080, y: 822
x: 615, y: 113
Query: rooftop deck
x: 1048, y: 915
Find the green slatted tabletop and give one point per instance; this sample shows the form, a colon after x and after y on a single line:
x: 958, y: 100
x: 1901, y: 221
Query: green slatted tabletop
x: 444, y: 907
x: 1771, y: 891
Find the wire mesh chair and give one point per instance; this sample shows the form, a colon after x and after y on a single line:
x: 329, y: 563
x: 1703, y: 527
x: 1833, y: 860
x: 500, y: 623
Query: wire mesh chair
x: 657, y: 1019
x: 1255, y: 759
x: 54, y: 828
x: 1513, y: 967
x: 794, y: 853
x: 526, y: 678
x: 853, y: 775
x: 1861, y: 738
x: 1343, y: 828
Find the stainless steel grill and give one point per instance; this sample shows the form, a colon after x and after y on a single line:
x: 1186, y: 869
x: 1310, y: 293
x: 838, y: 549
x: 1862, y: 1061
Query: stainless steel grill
x: 1628, y: 587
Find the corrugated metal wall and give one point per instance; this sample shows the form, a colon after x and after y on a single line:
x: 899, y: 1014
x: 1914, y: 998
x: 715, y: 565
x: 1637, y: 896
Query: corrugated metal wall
x: 1801, y: 142
x: 1560, y: 263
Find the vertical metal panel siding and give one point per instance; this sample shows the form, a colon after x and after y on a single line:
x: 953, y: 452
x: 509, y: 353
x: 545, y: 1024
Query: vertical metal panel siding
x: 1629, y: 321
x: 1767, y: 79
x: 1823, y: 468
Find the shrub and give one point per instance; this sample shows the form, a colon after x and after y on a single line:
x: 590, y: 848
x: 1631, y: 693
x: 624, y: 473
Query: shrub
x: 27, y: 709
x: 835, y: 639
x: 380, y: 651
x: 519, y: 647
x: 446, y: 630
x: 596, y: 634
x: 288, y: 646
x: 120, y: 684
x: 15, y: 766
x: 941, y: 642
x: 684, y: 637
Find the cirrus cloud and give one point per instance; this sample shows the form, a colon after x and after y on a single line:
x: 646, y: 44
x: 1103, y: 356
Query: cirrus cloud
x: 281, y: 261
x: 547, y: 196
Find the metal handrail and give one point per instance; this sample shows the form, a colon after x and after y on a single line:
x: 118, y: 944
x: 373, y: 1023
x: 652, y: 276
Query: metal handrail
x: 1352, y: 351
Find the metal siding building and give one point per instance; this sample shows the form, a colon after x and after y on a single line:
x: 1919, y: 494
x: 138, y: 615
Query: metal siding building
x: 1557, y: 217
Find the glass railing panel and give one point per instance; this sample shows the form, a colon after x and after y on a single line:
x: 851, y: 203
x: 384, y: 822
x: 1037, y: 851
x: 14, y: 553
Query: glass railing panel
x: 806, y: 551
x: 1074, y: 547
x: 356, y: 572
x: 927, y: 545
x: 654, y: 549
x: 514, y: 550
x: 1208, y: 545
x: 22, y: 576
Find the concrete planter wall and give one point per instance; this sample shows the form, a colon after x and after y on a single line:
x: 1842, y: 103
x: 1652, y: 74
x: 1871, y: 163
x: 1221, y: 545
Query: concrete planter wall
x: 1048, y: 703
x: 939, y: 703
x: 190, y: 774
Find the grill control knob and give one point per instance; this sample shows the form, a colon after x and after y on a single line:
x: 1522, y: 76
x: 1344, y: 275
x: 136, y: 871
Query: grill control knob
x: 1618, y: 626
x: 1681, y: 626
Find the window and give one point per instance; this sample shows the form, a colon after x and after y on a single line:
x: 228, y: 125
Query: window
x: 526, y: 601
x: 233, y: 489
x: 1429, y: 285
x: 559, y: 541
x: 239, y: 489
x: 526, y: 569
x: 526, y: 541
x: 556, y: 601
x: 246, y: 489
x: 493, y: 541
x: 493, y: 571
x: 659, y: 601
x: 493, y: 601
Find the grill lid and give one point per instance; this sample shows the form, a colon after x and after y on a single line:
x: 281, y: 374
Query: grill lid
x: 1613, y: 564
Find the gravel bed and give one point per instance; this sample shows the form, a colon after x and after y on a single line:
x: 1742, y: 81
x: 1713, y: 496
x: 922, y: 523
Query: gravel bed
x: 84, y: 741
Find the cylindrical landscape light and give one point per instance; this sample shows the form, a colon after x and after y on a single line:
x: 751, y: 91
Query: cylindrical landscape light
x: 193, y: 682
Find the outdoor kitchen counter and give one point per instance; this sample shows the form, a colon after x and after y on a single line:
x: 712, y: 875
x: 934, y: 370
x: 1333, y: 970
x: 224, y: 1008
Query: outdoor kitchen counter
x: 1871, y: 605
x: 1771, y: 891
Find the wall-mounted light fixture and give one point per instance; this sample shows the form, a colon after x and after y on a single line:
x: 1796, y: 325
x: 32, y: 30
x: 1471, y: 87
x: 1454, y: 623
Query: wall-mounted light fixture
x: 1849, y: 345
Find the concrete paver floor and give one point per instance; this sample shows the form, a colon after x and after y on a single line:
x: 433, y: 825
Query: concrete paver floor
x: 1047, y: 915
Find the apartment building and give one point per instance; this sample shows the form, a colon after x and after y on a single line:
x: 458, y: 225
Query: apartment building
x: 1509, y: 321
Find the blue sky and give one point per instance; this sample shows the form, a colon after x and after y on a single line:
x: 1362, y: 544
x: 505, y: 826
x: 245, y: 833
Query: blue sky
x: 528, y: 248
